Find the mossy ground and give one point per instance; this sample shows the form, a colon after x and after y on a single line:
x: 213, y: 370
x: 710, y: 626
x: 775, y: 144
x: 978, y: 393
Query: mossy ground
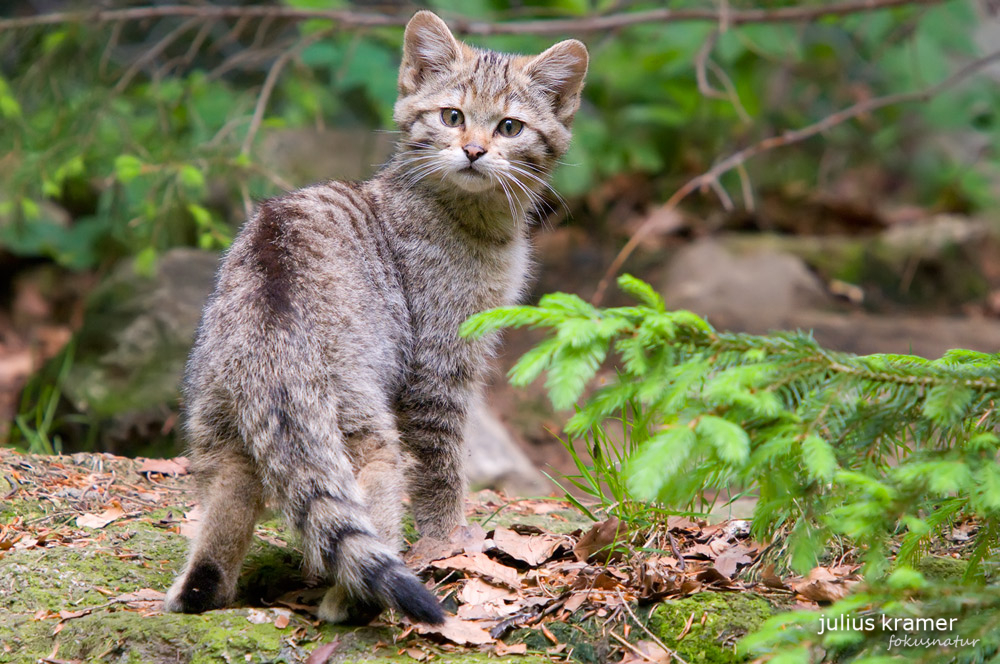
x: 84, y: 575
x: 720, y: 620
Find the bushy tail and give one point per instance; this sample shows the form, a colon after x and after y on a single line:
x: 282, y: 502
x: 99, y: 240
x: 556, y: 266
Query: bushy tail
x: 371, y: 577
x: 299, y: 450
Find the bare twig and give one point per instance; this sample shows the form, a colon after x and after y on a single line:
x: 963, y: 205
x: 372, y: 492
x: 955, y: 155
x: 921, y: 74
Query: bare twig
x: 272, y: 79
x: 746, y: 187
x: 788, y: 137
x: 631, y: 647
x: 730, y: 93
x: 152, y: 53
x: 725, y: 17
x: 674, y: 657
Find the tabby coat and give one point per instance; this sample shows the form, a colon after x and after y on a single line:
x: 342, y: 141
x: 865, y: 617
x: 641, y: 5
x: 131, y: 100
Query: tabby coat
x: 329, y: 353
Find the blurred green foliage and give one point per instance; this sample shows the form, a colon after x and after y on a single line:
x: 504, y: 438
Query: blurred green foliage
x: 126, y: 139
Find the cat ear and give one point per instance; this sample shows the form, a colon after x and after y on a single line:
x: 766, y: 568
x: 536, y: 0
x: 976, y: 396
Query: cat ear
x: 428, y: 49
x: 560, y: 71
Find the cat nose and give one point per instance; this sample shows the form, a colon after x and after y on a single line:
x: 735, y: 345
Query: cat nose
x: 473, y: 151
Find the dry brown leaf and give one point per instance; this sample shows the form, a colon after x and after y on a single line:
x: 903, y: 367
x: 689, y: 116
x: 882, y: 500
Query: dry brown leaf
x: 822, y: 590
x: 192, y: 522
x: 772, y: 580
x: 463, y: 539
x: 502, y: 649
x: 533, y: 550
x: 542, y: 506
x: 456, y: 630
x: 487, y: 611
x: 482, y: 565
x: 712, y: 575
x: 728, y: 562
x: 69, y: 615
x: 651, y: 652
x: 415, y: 653
x: 100, y: 520
x: 172, y: 467
x: 597, y: 542
x: 575, y: 601
x: 143, y: 595
x: 323, y: 653
x: 477, y: 591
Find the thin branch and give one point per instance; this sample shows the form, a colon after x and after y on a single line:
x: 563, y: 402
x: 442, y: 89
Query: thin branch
x: 702, y: 63
x: 674, y: 657
x: 152, y: 54
x: 788, y: 137
x: 272, y: 79
x: 726, y: 17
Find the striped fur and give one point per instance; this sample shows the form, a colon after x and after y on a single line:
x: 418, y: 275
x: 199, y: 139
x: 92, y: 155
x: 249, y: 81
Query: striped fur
x: 328, y: 376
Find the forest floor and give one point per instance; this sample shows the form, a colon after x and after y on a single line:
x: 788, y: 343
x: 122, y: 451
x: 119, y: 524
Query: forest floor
x: 89, y: 543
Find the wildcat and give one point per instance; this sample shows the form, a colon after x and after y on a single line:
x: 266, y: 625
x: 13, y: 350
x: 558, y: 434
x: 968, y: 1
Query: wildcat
x: 329, y: 350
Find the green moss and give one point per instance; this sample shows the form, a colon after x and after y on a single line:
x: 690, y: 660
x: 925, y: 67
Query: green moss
x: 587, y: 641
x: 941, y: 568
x: 720, y: 620
x: 125, y: 636
x: 26, y: 509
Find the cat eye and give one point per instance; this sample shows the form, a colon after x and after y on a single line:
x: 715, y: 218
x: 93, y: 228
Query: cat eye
x: 510, y: 127
x: 452, y: 117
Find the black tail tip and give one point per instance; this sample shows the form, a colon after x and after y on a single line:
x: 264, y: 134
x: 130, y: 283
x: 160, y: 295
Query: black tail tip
x: 415, y: 601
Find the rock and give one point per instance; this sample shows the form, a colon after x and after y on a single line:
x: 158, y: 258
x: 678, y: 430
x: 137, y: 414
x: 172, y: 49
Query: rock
x: 131, y: 352
x: 763, y: 283
x: 759, y: 289
x: 495, y: 461
x: 926, y: 336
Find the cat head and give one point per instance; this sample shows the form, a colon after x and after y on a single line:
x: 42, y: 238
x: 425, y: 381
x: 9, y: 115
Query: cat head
x: 477, y: 120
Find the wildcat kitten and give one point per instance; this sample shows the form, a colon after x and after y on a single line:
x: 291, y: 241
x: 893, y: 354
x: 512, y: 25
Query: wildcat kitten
x: 330, y: 347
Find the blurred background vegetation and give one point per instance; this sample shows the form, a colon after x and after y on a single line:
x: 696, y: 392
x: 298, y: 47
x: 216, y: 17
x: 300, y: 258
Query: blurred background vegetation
x: 126, y: 136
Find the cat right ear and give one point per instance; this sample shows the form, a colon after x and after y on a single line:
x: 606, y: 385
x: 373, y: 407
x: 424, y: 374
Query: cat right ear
x: 428, y: 49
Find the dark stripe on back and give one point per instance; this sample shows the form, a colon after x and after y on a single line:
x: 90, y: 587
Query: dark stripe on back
x: 272, y: 249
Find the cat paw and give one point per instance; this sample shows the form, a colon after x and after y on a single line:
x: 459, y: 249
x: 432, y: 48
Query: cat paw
x: 197, y: 590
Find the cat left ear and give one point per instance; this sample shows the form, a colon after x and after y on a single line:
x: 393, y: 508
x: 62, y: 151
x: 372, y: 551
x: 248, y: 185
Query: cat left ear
x: 560, y: 71
x: 428, y: 48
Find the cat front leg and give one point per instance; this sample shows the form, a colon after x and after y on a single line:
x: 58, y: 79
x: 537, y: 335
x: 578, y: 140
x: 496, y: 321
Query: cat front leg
x: 431, y: 418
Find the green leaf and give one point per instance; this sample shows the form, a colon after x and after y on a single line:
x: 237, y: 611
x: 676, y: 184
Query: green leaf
x: 818, y: 458
x: 947, y: 404
x: 191, y: 180
x: 641, y: 291
x: 906, y: 578
x: 534, y: 362
x: 569, y: 372
x: 729, y: 440
x: 145, y: 262
x: 659, y: 460
x: 128, y: 167
x: 202, y: 217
